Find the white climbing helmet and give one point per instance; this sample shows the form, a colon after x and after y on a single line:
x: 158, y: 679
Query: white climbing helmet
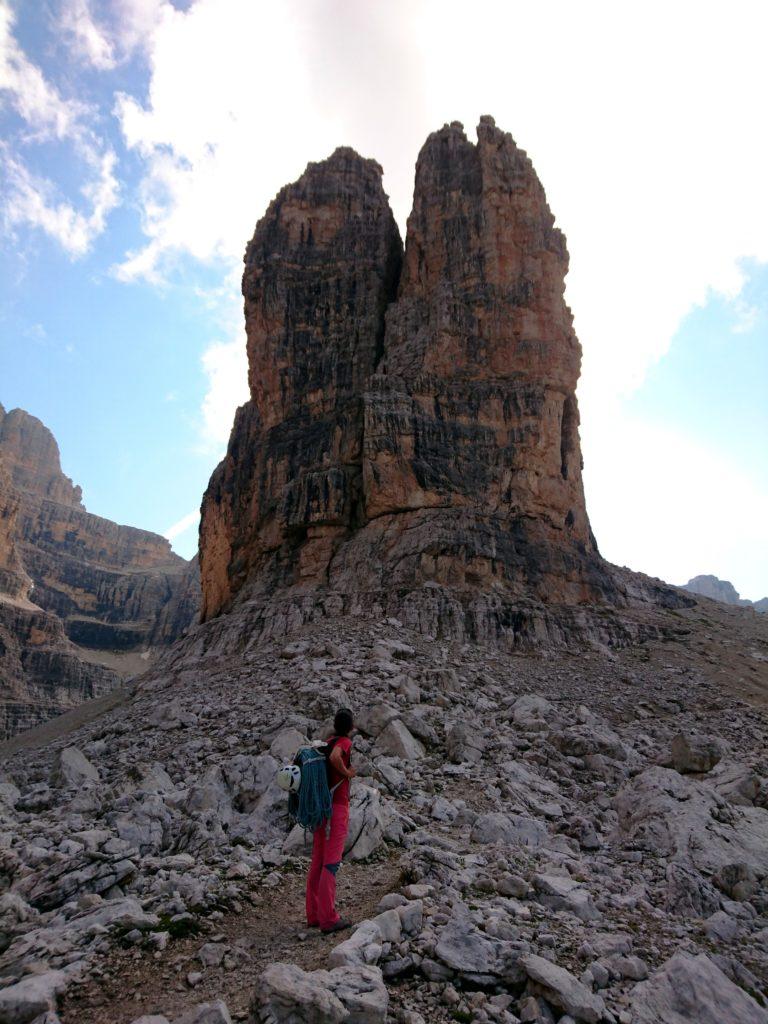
x: 289, y: 778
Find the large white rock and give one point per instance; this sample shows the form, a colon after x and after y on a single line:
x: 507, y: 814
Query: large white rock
x: 465, y: 949
x: 286, y: 743
x: 362, y: 947
x: 211, y: 796
x: 155, y: 779
x: 367, y: 822
x: 464, y: 743
x: 692, y: 990
x: 563, y: 990
x: 531, y: 711
x: 694, y: 753
x: 542, y: 796
x: 249, y: 778
x: 411, y: 916
x: 353, y: 995
x: 72, y: 769
x: 31, y: 997
x: 372, y: 719
x: 559, y: 892
x: 206, y: 1013
x: 397, y: 741
x: 510, y: 829
x: 738, y: 784
x: 9, y: 795
x: 684, y: 820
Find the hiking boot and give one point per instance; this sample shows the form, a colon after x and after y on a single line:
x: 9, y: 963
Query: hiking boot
x: 338, y: 927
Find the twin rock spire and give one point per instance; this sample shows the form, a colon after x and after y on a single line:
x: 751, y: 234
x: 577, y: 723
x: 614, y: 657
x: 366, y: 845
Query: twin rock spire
x: 411, y: 443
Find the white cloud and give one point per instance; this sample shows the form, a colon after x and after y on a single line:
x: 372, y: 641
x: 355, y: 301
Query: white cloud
x: 746, y: 317
x: 23, y: 85
x: 641, y: 123
x: 134, y: 22
x: 230, y: 117
x: 226, y: 368
x: 185, y: 523
x: 661, y: 502
x: 86, y: 38
x: 32, y: 199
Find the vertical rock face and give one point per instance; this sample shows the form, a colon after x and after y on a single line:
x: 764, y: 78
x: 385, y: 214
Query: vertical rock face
x: 475, y: 406
x: 14, y: 580
x: 319, y: 272
x: 32, y: 458
x: 415, y: 453
x: 80, y: 596
x: 40, y: 672
x: 472, y: 459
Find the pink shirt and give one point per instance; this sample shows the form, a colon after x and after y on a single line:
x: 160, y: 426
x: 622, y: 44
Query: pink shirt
x: 341, y: 792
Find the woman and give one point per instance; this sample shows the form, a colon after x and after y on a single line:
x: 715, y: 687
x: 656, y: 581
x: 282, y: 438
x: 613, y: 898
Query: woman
x: 328, y: 848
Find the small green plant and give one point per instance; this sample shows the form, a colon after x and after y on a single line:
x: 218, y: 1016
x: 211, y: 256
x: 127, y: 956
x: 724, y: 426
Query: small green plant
x: 180, y: 929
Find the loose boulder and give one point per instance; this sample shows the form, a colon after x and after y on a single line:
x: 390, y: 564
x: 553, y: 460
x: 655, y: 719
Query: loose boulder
x: 691, y: 988
x: 695, y: 754
x: 463, y: 743
x: 73, y: 769
x: 561, y: 989
x: 31, y: 997
x: 397, y: 741
x: 285, y: 994
x: 511, y: 829
x: 286, y: 743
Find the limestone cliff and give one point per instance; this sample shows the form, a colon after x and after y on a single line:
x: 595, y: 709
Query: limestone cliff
x: 722, y: 590
x: 107, y: 583
x: 411, y: 444
x: 472, y: 464
x: 78, y: 593
x: 40, y: 671
x: 14, y: 580
x: 319, y: 272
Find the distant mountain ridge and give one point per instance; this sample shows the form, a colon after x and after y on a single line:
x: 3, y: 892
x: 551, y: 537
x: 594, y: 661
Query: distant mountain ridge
x: 722, y: 590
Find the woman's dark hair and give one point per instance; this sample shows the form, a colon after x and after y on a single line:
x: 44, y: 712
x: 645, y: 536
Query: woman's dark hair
x: 342, y: 722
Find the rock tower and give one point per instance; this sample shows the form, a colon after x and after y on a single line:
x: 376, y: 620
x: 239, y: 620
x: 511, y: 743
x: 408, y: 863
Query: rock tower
x: 411, y: 445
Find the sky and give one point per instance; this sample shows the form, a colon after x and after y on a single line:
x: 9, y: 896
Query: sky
x: 141, y: 140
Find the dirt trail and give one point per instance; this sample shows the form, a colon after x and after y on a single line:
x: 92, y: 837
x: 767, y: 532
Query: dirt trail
x: 267, y: 929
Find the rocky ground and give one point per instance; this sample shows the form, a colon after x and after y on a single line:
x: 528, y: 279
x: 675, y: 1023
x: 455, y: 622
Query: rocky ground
x: 565, y: 837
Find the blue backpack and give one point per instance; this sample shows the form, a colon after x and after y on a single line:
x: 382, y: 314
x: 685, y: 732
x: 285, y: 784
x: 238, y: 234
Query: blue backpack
x: 311, y: 806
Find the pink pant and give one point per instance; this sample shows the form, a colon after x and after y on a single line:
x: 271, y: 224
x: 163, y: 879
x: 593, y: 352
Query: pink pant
x: 326, y: 861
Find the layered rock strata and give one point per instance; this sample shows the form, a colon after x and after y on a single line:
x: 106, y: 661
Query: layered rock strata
x: 409, y: 447
x: 319, y: 273
x: 40, y: 672
x: 76, y: 590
